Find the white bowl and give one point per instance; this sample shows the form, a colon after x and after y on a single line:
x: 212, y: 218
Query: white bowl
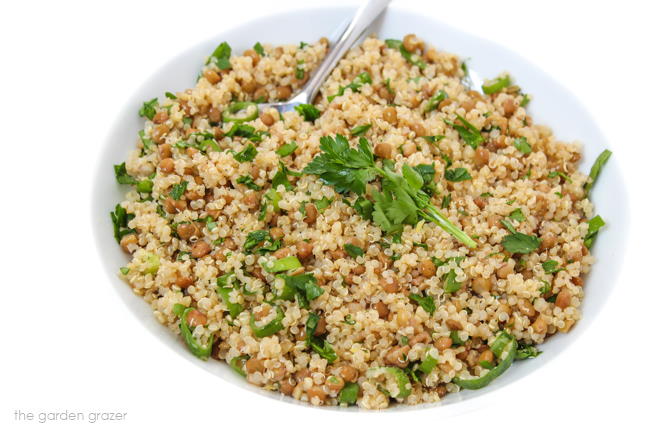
x: 552, y: 105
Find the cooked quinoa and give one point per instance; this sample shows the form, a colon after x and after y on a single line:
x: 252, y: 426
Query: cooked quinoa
x: 301, y: 284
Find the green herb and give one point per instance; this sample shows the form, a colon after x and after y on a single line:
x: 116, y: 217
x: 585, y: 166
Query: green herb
x: 522, y: 145
x: 563, y: 175
x: 550, y: 267
x: 496, y: 85
x: 526, y: 351
x: 427, y: 303
x: 517, y: 215
x: 476, y: 383
x: 348, y: 320
x: 300, y: 73
x: 455, y: 338
x: 446, y: 201
x: 124, y: 270
x: 364, y: 207
x: 237, y: 364
x: 596, y: 169
x: 122, y: 177
x: 224, y: 288
x: 269, y: 329
x: 248, y: 154
x: 546, y: 287
x: 144, y: 186
x: 449, y: 283
x: 146, y: 142
x: 148, y: 109
x: 433, y: 138
x: 308, y: 112
x: 353, y: 250
x: 183, y: 255
x: 457, y: 174
x: 360, y: 130
x: 401, y: 199
x: 284, y: 264
x: 428, y: 364
x: 240, y: 111
x: 221, y: 56
x: 435, y: 100
x: 468, y: 132
x: 120, y: 220
x: 421, y: 245
x: 427, y: 171
x: 318, y: 344
x: 178, y: 190
x: 520, y: 243
x: 388, y: 87
x: 595, y: 224
x: 303, y: 287
x: 197, y: 349
x: 413, y: 59
x: 322, y: 204
x: 259, y: 49
x: 303, y: 45
x: 508, y: 225
x: 170, y: 95
x: 260, y: 242
x: 355, y: 85
x: 287, y: 149
x: 248, y: 182
x: 349, y: 394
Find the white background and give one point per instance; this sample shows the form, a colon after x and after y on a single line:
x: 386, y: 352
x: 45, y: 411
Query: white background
x: 69, y: 343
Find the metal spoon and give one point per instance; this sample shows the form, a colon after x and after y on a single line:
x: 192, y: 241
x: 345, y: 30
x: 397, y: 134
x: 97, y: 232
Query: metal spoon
x: 364, y: 17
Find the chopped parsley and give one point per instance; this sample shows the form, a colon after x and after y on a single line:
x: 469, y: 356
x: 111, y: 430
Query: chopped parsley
x: 308, y: 112
x: 248, y: 154
x: 468, y: 132
x: 449, y: 283
x: 355, y: 85
x: 413, y: 59
x: 517, y: 215
x: 318, y: 344
x: 245, y: 131
x: 551, y: 267
x: 457, y: 174
x: 522, y: 145
x: 360, y: 130
x: 525, y: 351
x: 178, y: 190
x: 260, y: 242
x: 120, y: 219
x: 353, y: 250
x: 122, y: 177
x: 322, y: 203
x: 521, y: 243
x: 282, y: 177
x: 221, y: 56
x: 435, y: 100
x: 561, y: 174
x: 595, y: 224
x: 427, y: 303
x: 496, y: 85
x: 148, y: 109
x: 248, y: 182
x: 287, y: 149
x: 259, y: 49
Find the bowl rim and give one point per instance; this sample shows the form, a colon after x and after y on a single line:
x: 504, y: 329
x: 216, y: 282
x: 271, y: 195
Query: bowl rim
x: 100, y: 223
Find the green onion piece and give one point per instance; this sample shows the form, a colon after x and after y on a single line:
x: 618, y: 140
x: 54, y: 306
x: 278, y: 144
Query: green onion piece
x: 271, y: 328
x: 435, y: 100
x: 287, y: 149
x: 511, y: 350
x: 496, y: 85
x: 197, y: 349
x: 353, y: 250
x: 241, y: 111
x: 153, y: 263
x: 284, y: 264
x: 349, y: 394
x: 522, y: 145
x: 500, y: 342
x: 404, y: 387
x: 124, y: 270
x: 360, y: 130
x: 596, y: 169
x: 233, y: 308
x: 144, y: 186
x: 237, y: 364
x: 428, y: 364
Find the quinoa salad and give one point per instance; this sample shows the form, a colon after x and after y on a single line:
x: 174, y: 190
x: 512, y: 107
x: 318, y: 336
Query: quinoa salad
x: 401, y: 238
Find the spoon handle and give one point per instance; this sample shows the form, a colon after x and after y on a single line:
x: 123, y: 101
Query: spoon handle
x: 365, y: 15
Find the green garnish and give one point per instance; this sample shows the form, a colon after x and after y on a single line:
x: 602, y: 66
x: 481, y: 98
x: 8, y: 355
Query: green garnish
x: 248, y: 182
x: 510, y: 350
x: 303, y: 287
x: 284, y: 264
x: 522, y: 145
x: 287, y: 149
x: 349, y: 394
x: 148, y: 109
x: 270, y: 328
x: 449, y: 283
x: 308, y: 112
x: 360, y: 130
x: 526, y: 351
x: 170, y: 95
x: 435, y: 100
x: 520, y: 243
x: 282, y: 177
x: 496, y: 85
x: 178, y: 190
x: 121, y: 222
x: 413, y: 59
x: 122, y: 177
x: 322, y: 203
x: 457, y: 174
x: 401, y: 200
x: 595, y: 224
x: 318, y: 344
x: 353, y: 250
x: 561, y: 174
x: 468, y: 132
x: 248, y: 154
x: 240, y: 111
x: 551, y: 267
x: 260, y: 242
x: 124, y: 270
x: 428, y: 364
x: 237, y: 364
x: 517, y: 215
x: 446, y: 201
x: 226, y: 284
x: 144, y: 186
x: 348, y: 320
x: 259, y: 49
x: 300, y: 73
x: 355, y: 85
x: 596, y: 169
x: 221, y: 56
x: 197, y: 349
x: 427, y: 303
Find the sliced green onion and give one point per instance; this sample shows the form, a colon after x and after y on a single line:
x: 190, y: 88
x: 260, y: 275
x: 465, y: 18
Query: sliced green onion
x: 237, y: 364
x: 284, y: 264
x: 510, y: 350
x: 271, y: 328
x: 240, y: 112
x: 349, y: 394
x: 596, y: 168
x: 496, y: 85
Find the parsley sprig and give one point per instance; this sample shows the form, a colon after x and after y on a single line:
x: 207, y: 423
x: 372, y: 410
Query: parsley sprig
x: 401, y: 199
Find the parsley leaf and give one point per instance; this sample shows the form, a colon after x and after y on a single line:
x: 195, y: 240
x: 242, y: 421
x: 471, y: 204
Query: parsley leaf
x: 426, y: 302
x: 122, y: 177
x: 259, y: 49
x: 353, y: 250
x: 517, y: 215
x: 178, y: 190
x: 413, y: 59
x: 260, y: 242
x: 287, y: 149
x: 360, y: 130
x: 525, y: 351
x: 248, y: 154
x: 449, y: 283
x: 457, y: 174
x: 246, y: 131
x: 120, y: 219
x: 148, y: 109
x: 520, y: 243
x: 355, y: 85
x: 595, y: 224
x: 282, y: 178
x: 308, y: 112
x: 249, y: 182
x: 550, y: 267
x: 435, y: 100
x: 322, y: 204
x: 363, y: 206
x: 221, y: 56
x: 563, y: 175
x: 522, y: 145
x: 468, y: 132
